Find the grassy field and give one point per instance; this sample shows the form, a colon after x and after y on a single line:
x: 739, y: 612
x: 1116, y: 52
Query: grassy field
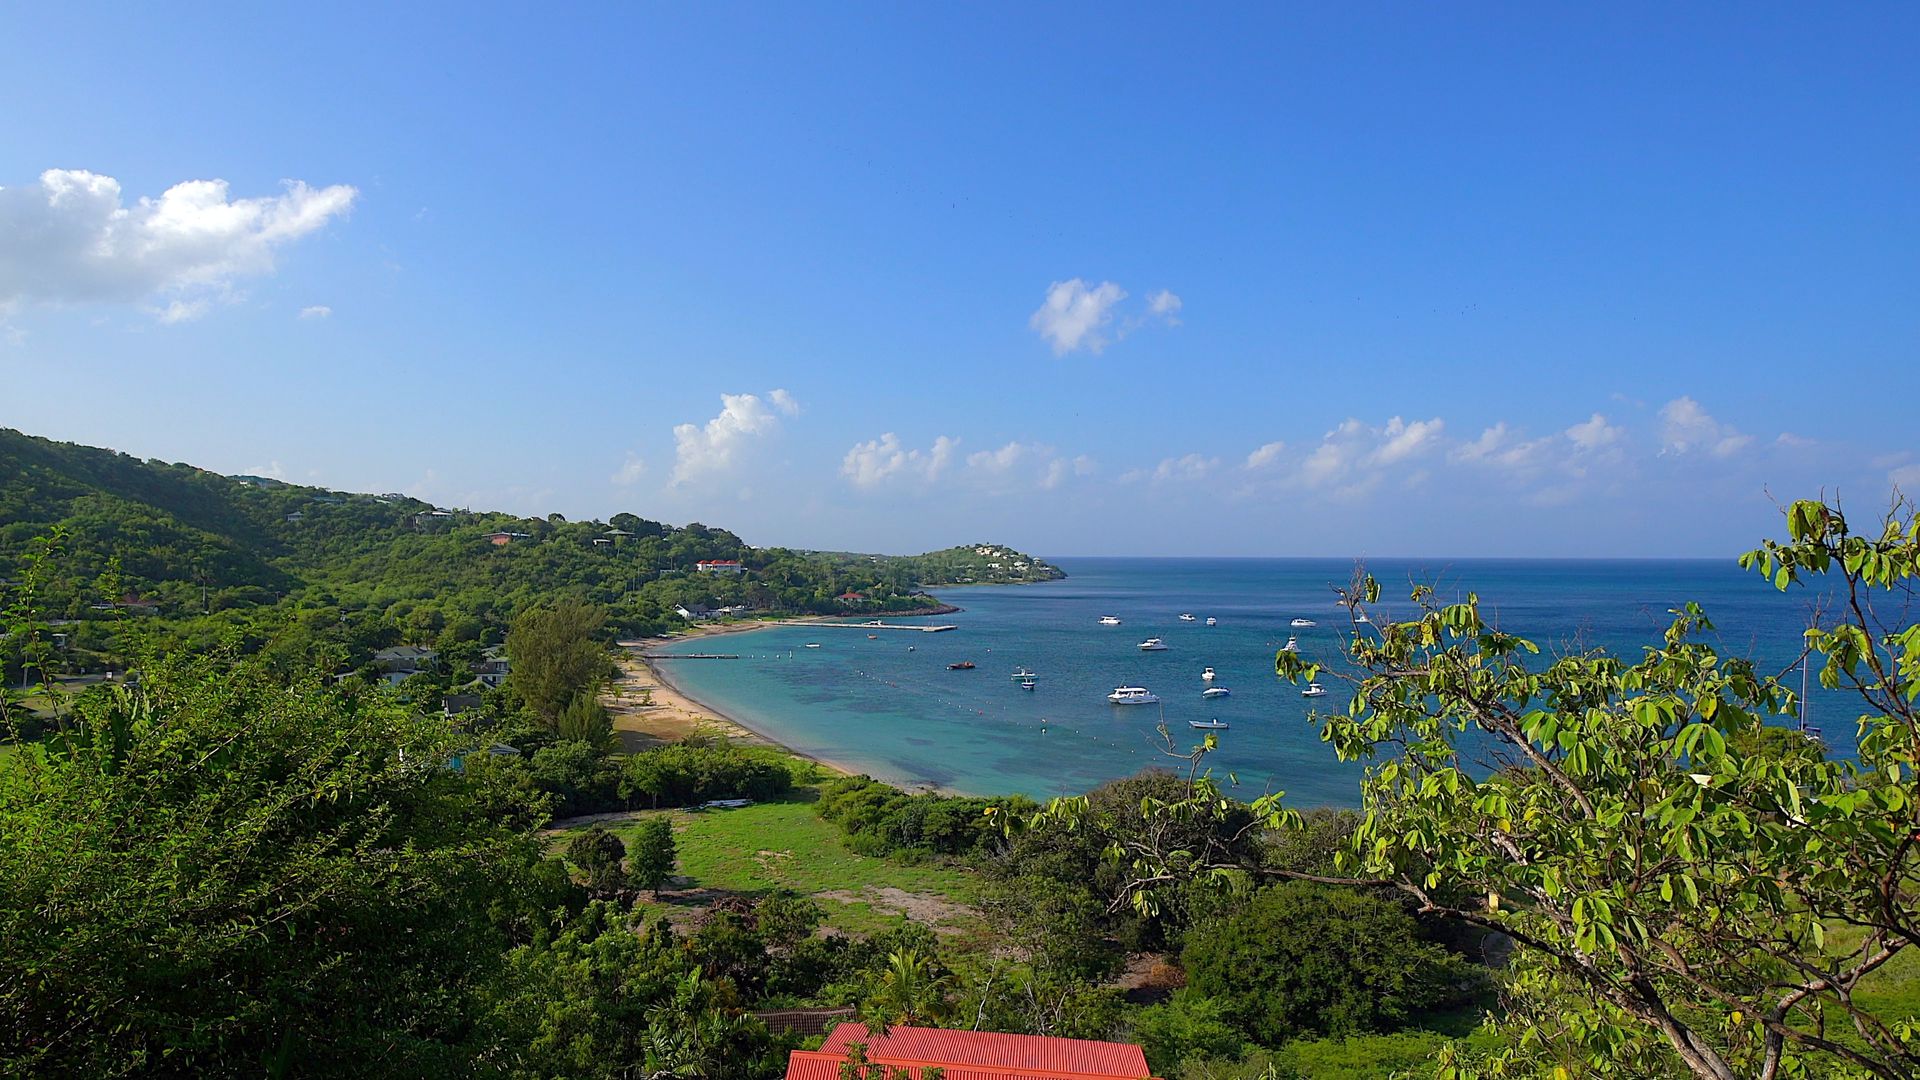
x: 785, y: 845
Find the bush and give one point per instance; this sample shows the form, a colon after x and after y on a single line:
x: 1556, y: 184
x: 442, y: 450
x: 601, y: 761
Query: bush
x: 695, y: 771
x: 882, y: 820
x: 1189, y: 1026
x: 1305, y: 959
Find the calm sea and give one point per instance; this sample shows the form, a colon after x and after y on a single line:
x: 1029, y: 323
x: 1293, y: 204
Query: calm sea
x: 890, y: 707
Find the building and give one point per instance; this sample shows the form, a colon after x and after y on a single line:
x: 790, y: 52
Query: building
x: 502, y: 539
x: 493, y: 667
x: 692, y: 612
x: 851, y: 597
x: 719, y: 566
x: 401, y: 661
x: 972, y: 1055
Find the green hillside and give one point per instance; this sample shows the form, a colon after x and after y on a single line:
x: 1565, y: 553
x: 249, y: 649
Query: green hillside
x: 208, y: 556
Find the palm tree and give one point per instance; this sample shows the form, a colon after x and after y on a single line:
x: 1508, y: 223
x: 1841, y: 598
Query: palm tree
x: 913, y: 990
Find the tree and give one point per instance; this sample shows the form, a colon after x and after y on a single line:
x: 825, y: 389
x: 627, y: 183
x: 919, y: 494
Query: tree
x: 653, y: 854
x: 912, y: 990
x: 586, y: 720
x: 1188, y: 1026
x: 218, y: 874
x: 1300, y: 958
x: 557, y: 655
x: 1686, y: 893
x: 599, y: 854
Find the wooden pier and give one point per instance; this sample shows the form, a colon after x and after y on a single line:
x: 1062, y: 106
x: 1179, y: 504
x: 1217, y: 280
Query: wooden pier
x: 878, y: 625
x: 689, y: 656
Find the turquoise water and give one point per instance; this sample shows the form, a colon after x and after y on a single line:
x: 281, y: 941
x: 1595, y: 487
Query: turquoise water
x: 890, y: 707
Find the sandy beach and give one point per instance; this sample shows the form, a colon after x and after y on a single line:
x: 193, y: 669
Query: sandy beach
x: 650, y: 709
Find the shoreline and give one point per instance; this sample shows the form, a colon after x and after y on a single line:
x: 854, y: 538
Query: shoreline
x: 673, y: 713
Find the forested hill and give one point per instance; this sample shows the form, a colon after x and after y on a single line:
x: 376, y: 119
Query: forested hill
x: 189, y: 542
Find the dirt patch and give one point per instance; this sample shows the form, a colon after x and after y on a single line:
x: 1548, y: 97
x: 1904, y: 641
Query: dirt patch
x: 938, y: 913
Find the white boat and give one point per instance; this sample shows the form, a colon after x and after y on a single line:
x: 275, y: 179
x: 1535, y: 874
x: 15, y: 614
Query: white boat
x: 1207, y: 674
x: 1023, y: 673
x: 1186, y: 616
x: 1208, y: 725
x: 1303, y: 623
x: 1153, y: 644
x: 1215, y: 691
x: 813, y: 644
x: 1028, y: 684
x: 1314, y: 689
x: 1133, y: 695
x: 1109, y: 620
x: 1362, y: 617
x: 1211, y: 620
x: 1292, y: 645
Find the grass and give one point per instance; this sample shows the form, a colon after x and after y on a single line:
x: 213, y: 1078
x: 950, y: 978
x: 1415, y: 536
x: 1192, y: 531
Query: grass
x: 771, y: 846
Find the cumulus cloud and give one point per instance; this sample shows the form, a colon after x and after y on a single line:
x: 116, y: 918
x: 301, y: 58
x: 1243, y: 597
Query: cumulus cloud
x: 879, y: 461
x: 1186, y: 468
x: 1355, y: 455
x: 1266, y: 455
x: 1906, y: 478
x: 72, y: 239
x: 1594, y: 433
x: 630, y: 471
x: 1076, y: 316
x: 701, y: 450
x: 316, y: 311
x: 1165, y: 305
x: 1686, y: 428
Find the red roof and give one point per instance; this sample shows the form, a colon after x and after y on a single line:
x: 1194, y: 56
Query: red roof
x: 973, y: 1055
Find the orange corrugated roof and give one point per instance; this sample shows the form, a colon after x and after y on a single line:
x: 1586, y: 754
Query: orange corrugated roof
x: 975, y: 1055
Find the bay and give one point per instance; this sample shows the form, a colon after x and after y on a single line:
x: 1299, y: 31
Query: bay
x: 888, y: 706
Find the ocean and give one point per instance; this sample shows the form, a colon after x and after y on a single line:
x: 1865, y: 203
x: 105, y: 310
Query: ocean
x: 889, y: 707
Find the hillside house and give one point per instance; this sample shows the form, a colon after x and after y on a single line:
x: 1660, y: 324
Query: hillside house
x: 493, y: 667
x: 502, y: 539
x: 719, y: 566
x: 694, y: 612
x: 972, y: 1055
x: 402, y: 661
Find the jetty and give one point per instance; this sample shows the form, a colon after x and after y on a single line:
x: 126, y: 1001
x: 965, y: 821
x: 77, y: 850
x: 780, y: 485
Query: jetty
x: 876, y: 624
x: 689, y: 656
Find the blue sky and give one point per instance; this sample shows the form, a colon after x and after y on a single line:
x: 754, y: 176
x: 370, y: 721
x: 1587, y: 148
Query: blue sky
x: 1081, y: 279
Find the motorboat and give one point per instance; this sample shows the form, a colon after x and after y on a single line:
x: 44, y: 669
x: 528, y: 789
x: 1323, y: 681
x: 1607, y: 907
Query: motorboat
x: 1207, y: 674
x: 1211, y: 620
x: 1186, y: 616
x: 813, y: 644
x: 1152, y: 644
x: 1024, y: 674
x: 1302, y: 623
x: 961, y: 665
x: 1362, y: 617
x: 1215, y: 691
x: 1314, y: 689
x: 1208, y: 725
x: 873, y: 637
x: 1109, y: 620
x: 1292, y: 645
x: 1133, y: 695
x: 1028, y: 684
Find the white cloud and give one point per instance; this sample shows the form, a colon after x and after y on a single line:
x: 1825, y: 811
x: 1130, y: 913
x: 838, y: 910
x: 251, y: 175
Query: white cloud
x: 1906, y: 478
x: 1075, y: 316
x: 711, y: 449
x: 179, y: 311
x: 630, y: 471
x: 1687, y: 427
x: 1791, y: 441
x: 1187, y: 468
x: 878, y: 461
x: 1355, y: 455
x: 1266, y: 455
x: 1166, y: 306
x: 1060, y: 469
x: 70, y: 239
x: 1594, y: 433
x: 316, y: 311
x: 1405, y: 440
x: 273, y: 470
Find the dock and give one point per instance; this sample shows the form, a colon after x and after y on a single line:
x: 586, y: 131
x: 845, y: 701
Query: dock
x: 689, y: 656
x: 878, y: 625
